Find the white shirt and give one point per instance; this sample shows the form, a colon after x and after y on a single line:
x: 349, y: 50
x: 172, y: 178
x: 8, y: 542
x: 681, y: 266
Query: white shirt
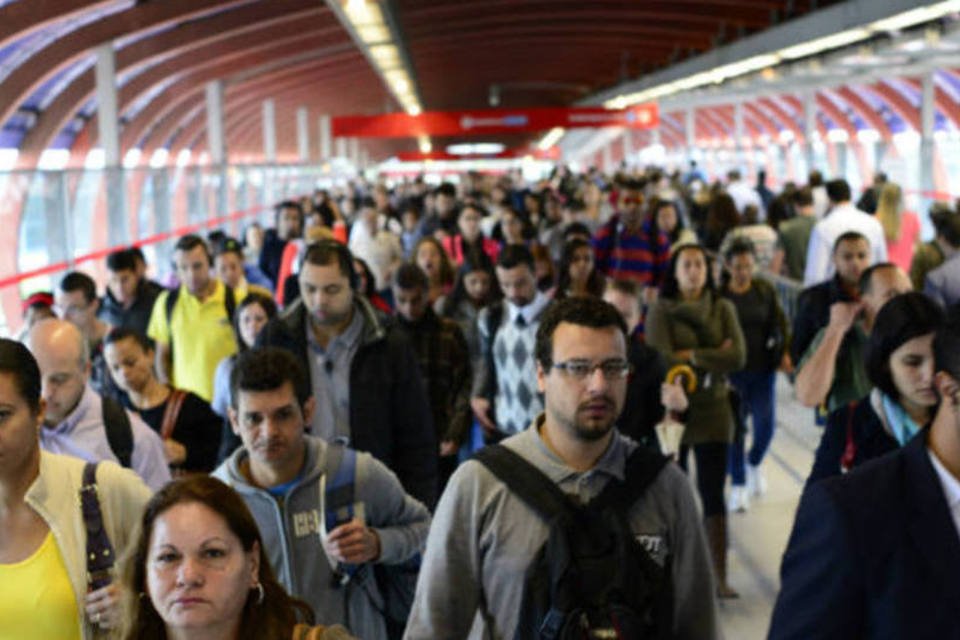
x: 951, y: 488
x: 841, y: 219
x: 379, y: 252
x: 743, y: 195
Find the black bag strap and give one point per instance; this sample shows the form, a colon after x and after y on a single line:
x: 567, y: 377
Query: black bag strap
x: 100, y: 554
x: 119, y: 431
x: 537, y: 490
x: 642, y: 468
x: 229, y: 301
x: 170, y: 303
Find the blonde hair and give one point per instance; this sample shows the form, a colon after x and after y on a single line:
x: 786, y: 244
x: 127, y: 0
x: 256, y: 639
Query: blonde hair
x: 890, y: 209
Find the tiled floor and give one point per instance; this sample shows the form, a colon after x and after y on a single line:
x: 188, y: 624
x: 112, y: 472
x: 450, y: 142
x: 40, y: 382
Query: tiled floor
x: 759, y: 536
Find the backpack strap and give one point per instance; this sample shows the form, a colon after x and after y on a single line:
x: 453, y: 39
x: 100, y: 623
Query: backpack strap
x: 229, y: 301
x: 116, y: 423
x: 171, y: 413
x: 100, y: 554
x: 172, y: 296
x: 641, y: 469
x: 338, y: 498
x: 522, y: 478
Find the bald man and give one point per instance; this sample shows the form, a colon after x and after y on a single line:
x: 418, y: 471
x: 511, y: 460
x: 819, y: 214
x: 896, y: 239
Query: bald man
x: 73, y: 423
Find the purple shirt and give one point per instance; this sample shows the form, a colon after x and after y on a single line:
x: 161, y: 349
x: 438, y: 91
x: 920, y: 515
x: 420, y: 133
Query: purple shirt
x: 82, y: 435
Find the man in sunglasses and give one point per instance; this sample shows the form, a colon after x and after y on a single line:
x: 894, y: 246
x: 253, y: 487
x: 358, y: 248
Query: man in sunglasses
x: 488, y: 538
x: 629, y: 247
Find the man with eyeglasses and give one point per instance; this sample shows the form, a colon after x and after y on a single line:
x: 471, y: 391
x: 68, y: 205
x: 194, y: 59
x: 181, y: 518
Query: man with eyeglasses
x: 485, y: 537
x: 629, y: 248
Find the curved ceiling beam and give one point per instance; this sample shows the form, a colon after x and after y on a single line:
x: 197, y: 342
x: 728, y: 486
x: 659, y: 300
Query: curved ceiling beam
x: 766, y: 122
x: 768, y: 106
x: 839, y: 118
x: 865, y: 111
x: 941, y: 99
x: 25, y: 79
x: 897, y: 102
x: 797, y: 105
x: 611, y: 39
x: 21, y: 19
x: 185, y: 37
x: 738, y: 10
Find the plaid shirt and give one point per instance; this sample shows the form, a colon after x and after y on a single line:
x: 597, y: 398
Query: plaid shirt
x: 445, y: 366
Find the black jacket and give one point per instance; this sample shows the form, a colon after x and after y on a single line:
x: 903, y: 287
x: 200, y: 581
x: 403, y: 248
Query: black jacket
x: 390, y: 415
x: 813, y: 313
x: 642, y: 409
x: 868, y: 434
x: 137, y: 317
x: 873, y: 554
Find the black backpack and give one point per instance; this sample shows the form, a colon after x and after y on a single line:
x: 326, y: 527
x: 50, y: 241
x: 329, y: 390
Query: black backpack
x: 592, y: 578
x: 119, y: 430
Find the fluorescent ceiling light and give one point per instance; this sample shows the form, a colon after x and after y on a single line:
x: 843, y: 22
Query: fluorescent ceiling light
x: 867, y: 136
x: 786, y: 136
x: 477, y: 148
x: 53, y: 159
x: 159, y: 158
x: 385, y: 55
x: 373, y: 33
x: 132, y: 158
x: 183, y: 158
x: 414, y: 110
x: 424, y: 144
x: 838, y: 135
x: 361, y: 12
x: 96, y: 159
x: 916, y: 16
x: 552, y: 137
x: 817, y: 45
x: 8, y: 158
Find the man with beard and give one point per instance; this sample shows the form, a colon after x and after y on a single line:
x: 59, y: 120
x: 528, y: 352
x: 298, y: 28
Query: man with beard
x: 485, y: 537
x: 362, y: 370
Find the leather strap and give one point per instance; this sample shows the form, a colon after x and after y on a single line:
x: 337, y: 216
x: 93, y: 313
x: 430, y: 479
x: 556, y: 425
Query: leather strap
x: 100, y: 554
x: 171, y: 413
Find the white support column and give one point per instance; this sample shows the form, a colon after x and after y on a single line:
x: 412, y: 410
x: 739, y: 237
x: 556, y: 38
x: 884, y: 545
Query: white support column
x: 326, y: 139
x: 216, y: 141
x: 739, y: 133
x: 355, y: 151
x: 628, y: 145
x: 269, y: 132
x: 809, y: 126
x: 108, y: 127
x: 690, y: 131
x: 341, y: 148
x: 927, y: 113
x: 608, y: 157
x: 364, y: 158
x: 303, y: 135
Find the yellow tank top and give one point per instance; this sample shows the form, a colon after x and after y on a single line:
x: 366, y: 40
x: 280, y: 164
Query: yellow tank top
x: 37, y: 601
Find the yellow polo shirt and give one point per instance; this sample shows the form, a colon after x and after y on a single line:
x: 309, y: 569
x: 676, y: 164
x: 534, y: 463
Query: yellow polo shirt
x: 201, y: 336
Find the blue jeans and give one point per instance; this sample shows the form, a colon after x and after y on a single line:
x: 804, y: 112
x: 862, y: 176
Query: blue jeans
x: 757, y: 398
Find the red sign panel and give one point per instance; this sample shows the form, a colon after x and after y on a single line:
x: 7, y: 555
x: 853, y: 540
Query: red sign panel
x: 493, y: 121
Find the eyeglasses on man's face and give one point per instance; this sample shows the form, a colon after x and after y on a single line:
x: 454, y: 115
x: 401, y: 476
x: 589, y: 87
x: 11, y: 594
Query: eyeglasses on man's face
x: 614, y: 369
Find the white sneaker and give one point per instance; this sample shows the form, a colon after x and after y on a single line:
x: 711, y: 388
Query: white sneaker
x: 756, y: 483
x: 739, y: 499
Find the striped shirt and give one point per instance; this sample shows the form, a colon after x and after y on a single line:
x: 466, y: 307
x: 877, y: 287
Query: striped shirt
x: 632, y: 256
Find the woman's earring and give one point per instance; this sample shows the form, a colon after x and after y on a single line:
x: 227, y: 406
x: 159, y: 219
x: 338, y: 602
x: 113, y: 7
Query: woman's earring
x: 260, y: 593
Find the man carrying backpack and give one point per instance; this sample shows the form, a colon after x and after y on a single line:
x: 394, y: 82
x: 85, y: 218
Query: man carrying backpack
x: 568, y: 529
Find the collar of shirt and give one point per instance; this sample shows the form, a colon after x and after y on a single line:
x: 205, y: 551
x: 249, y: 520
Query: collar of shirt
x: 69, y: 423
x: 950, y: 484
x: 529, y: 311
x: 345, y: 340
x: 612, y: 462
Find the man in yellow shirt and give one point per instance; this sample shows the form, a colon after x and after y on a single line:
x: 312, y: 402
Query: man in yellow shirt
x: 193, y: 332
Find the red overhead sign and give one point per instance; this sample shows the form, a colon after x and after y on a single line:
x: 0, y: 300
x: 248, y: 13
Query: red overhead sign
x: 493, y: 121
x: 416, y: 156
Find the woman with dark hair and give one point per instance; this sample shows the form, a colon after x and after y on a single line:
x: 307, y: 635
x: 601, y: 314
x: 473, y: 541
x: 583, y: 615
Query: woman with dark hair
x: 578, y: 274
x: 471, y: 237
x: 691, y: 324
x: 766, y: 332
x: 367, y: 286
x: 900, y: 364
x: 475, y: 288
x: 430, y: 256
x: 254, y: 312
x: 189, y: 428
x: 665, y: 218
x: 198, y: 570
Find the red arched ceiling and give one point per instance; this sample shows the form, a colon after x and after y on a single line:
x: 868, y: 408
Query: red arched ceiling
x: 941, y: 100
x: 188, y: 37
x: 865, y: 111
x: 896, y: 101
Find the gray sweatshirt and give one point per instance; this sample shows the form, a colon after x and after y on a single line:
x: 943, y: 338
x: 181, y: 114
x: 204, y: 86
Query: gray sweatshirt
x: 291, y: 530
x: 484, y: 538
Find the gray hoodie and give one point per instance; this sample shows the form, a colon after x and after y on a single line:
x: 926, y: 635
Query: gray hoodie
x: 291, y: 531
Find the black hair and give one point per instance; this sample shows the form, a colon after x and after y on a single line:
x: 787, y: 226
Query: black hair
x: 117, y: 334
x: 229, y: 245
x: 595, y: 281
x: 473, y: 261
x: 576, y: 229
x: 446, y: 189
x: 946, y: 345
x: 266, y: 303
x: 516, y: 255
x: 267, y: 369
x: 866, y: 278
x: 655, y: 207
x: 122, y: 260
x: 740, y: 245
x: 901, y: 319
x: 190, y: 242
x: 137, y: 253
x: 327, y: 252
x: 849, y: 236
x: 366, y: 202
x: 79, y: 281
x: 409, y: 276
x: 626, y: 287
x: 946, y: 223
x: 370, y: 289
x: 838, y: 190
x: 16, y: 360
x: 584, y: 312
x: 671, y: 287
x: 803, y: 197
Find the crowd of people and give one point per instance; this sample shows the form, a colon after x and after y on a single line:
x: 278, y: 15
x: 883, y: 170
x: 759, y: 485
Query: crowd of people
x: 453, y: 411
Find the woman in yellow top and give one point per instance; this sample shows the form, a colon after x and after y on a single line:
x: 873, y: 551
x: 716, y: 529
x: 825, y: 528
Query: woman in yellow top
x: 43, y: 572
